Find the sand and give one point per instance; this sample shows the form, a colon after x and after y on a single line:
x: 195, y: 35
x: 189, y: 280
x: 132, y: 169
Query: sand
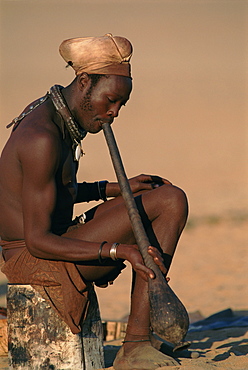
x: 224, y: 349
x: 209, y: 274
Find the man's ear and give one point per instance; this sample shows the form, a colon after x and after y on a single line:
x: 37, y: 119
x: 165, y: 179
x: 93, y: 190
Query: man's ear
x: 83, y: 81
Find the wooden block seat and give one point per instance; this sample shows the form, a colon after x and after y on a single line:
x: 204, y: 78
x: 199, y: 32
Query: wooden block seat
x: 38, y: 339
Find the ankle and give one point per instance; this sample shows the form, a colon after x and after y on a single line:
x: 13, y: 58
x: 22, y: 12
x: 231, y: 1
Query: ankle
x: 132, y: 338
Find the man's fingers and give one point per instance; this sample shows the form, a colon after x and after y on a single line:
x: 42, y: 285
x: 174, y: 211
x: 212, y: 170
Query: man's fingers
x: 158, y: 259
x: 146, y: 270
x: 167, y: 182
x: 159, y: 180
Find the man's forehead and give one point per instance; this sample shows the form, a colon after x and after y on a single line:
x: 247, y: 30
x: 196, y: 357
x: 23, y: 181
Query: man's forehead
x: 119, y: 85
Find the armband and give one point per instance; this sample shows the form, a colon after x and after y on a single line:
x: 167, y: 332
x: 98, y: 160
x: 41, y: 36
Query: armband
x: 102, y: 189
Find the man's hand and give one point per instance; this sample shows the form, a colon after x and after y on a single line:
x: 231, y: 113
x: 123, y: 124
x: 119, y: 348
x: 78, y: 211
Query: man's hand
x: 137, y: 183
x: 146, y: 182
x: 132, y: 254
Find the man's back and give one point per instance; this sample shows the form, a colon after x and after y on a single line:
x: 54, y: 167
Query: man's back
x: 27, y: 151
x: 11, y: 224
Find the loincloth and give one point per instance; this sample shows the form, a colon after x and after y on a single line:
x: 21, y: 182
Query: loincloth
x: 58, y: 282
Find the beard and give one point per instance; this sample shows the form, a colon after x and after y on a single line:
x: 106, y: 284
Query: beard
x: 85, y: 104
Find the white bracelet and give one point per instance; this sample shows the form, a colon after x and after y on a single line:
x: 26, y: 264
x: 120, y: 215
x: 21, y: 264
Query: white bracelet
x: 112, y: 252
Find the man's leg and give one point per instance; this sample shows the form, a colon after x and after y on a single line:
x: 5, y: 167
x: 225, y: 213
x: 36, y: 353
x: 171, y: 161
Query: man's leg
x: 166, y: 208
x: 163, y: 233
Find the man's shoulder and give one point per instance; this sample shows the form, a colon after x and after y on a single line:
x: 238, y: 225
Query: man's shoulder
x: 36, y: 136
x: 38, y: 125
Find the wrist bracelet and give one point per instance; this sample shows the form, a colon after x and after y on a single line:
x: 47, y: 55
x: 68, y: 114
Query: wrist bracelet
x: 112, y: 252
x: 102, y: 189
x: 101, y: 261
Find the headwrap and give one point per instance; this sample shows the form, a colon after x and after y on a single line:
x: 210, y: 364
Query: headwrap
x: 106, y: 54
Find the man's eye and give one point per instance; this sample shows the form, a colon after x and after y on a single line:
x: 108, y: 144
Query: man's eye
x: 112, y: 101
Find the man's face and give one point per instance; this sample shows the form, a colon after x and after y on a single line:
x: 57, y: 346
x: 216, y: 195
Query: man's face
x: 102, y: 103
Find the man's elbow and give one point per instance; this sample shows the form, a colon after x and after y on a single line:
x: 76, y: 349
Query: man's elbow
x: 34, y: 246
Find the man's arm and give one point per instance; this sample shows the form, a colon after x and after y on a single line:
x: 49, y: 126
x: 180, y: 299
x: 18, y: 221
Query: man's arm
x: 138, y: 183
x: 88, y: 191
x: 39, y: 157
x: 92, y: 191
x: 39, y: 199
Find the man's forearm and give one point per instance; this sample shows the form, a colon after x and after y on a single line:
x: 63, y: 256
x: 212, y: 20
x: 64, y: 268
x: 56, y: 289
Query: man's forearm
x: 113, y: 189
x: 88, y: 191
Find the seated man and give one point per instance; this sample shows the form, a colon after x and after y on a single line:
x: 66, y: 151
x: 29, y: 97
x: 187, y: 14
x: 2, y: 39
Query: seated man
x: 42, y: 245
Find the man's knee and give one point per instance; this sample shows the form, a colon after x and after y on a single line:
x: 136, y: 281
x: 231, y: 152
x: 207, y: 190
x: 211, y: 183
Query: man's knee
x: 173, y: 199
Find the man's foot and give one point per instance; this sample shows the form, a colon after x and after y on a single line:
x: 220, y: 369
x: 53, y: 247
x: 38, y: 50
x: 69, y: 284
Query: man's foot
x: 141, y: 356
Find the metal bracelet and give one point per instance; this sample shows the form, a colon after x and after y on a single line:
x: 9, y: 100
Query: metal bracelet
x: 101, y: 261
x: 112, y: 252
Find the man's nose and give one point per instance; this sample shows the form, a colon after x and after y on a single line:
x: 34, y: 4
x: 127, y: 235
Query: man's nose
x: 113, y: 111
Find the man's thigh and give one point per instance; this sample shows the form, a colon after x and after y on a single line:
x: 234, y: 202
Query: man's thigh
x: 111, y: 221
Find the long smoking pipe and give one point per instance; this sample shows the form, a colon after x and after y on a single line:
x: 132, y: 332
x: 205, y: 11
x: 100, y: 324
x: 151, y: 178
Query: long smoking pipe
x: 169, y: 318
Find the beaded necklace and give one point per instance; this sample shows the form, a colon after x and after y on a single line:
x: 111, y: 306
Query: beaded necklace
x: 18, y: 119
x: 76, y: 132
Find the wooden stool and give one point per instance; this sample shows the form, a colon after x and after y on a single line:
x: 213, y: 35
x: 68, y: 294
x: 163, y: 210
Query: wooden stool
x: 38, y: 339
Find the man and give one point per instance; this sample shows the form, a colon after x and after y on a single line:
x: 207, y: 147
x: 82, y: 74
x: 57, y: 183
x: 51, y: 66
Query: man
x: 41, y: 243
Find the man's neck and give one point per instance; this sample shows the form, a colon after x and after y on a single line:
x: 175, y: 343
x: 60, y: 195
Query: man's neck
x: 76, y: 132
x: 70, y: 97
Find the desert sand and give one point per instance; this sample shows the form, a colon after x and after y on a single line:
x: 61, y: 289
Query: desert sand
x: 209, y: 276
x: 186, y: 121
x: 205, y: 287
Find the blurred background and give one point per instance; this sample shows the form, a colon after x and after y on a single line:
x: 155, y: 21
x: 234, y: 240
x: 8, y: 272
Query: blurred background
x: 187, y: 116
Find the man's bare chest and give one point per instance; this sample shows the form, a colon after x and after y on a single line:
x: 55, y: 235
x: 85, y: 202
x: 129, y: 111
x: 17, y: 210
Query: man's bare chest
x: 66, y: 180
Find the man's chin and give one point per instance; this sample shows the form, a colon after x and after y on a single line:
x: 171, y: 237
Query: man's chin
x: 95, y: 131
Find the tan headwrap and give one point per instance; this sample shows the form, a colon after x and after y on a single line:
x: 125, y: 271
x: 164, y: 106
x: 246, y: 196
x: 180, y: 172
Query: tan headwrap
x: 98, y: 55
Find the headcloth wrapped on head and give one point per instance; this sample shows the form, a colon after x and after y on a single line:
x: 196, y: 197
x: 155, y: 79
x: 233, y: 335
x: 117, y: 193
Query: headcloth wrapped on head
x: 106, y: 54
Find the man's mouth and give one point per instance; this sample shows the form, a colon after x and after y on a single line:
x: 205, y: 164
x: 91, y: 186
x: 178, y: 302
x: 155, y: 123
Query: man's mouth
x: 102, y: 122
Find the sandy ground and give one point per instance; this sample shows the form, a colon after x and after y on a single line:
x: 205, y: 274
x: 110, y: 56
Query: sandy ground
x: 224, y: 349
x: 209, y: 274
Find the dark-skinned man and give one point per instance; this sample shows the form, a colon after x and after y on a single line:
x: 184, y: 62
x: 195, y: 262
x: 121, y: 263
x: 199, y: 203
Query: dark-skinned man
x: 42, y: 245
